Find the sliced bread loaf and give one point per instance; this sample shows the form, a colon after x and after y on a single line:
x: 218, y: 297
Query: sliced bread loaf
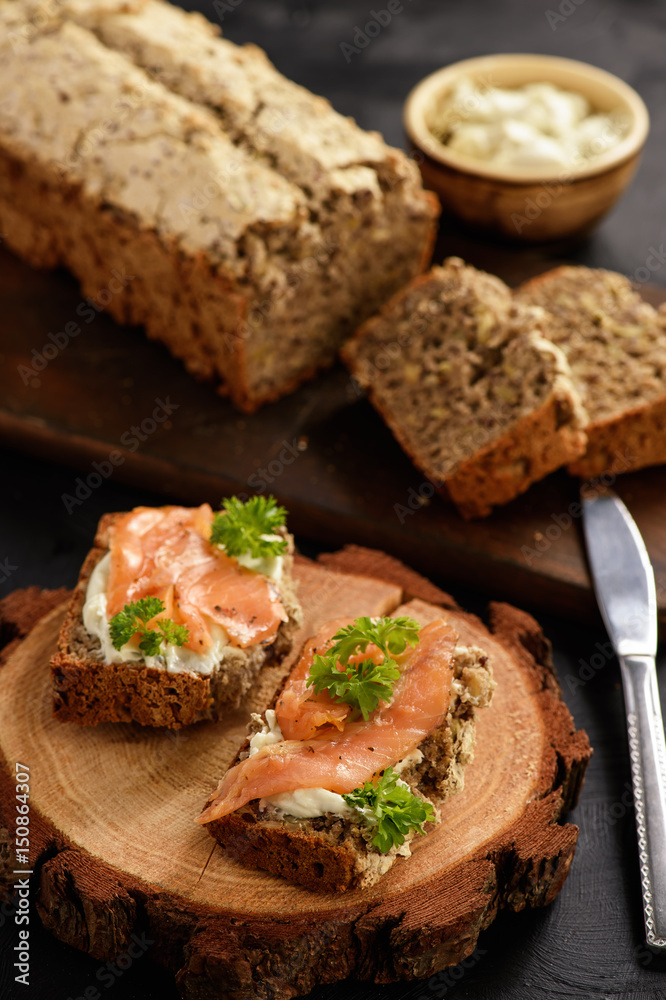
x: 90, y: 687
x: 257, y: 226
x: 334, y: 851
x: 615, y: 344
x: 482, y: 403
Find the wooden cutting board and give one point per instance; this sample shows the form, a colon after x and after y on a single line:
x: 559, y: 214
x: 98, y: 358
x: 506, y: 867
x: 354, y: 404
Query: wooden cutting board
x: 109, y: 396
x: 119, y: 862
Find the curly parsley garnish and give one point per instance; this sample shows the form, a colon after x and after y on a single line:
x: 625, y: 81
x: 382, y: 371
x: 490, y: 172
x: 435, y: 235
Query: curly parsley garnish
x: 135, y: 617
x: 392, y: 808
x: 247, y: 527
x: 363, y: 685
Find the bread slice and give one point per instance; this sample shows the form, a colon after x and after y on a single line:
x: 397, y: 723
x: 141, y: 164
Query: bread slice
x: 252, y: 226
x: 481, y: 402
x: 333, y: 853
x: 88, y: 690
x: 615, y: 343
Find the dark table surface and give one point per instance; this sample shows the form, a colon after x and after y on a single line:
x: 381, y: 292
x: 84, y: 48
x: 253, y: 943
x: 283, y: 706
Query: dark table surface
x: 589, y: 943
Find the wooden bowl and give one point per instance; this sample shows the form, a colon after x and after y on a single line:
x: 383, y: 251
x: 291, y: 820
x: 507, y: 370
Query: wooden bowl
x: 526, y: 204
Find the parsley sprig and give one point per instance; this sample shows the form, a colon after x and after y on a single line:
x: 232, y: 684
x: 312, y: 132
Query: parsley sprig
x: 391, y: 635
x: 242, y: 527
x: 364, y: 684
x: 135, y: 617
x: 392, y: 808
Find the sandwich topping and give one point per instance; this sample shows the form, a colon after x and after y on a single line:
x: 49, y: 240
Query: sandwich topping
x: 391, y: 809
x: 317, y: 743
x: 135, y: 620
x: 358, y: 668
x: 345, y: 670
x: 210, y: 594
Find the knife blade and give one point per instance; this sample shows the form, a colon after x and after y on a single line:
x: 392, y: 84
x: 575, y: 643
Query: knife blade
x: 625, y: 588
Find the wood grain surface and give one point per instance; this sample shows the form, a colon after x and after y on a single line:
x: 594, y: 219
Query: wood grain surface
x: 117, y: 849
x: 589, y: 944
x: 323, y: 451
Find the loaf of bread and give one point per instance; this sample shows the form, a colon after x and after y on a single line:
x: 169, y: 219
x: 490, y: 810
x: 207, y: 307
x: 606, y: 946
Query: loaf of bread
x: 88, y: 689
x: 333, y: 852
x: 615, y: 343
x: 463, y: 376
x: 254, y: 227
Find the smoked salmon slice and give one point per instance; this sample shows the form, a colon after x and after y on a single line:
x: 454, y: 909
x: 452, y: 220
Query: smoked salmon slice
x: 341, y: 761
x: 299, y: 712
x: 165, y: 552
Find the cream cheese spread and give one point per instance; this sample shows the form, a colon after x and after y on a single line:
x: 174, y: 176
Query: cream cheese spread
x: 269, y: 733
x: 413, y: 758
x: 306, y: 803
x: 270, y: 566
x: 537, y: 126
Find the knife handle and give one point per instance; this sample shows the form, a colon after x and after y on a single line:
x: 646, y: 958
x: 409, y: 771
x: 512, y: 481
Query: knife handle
x: 647, y: 751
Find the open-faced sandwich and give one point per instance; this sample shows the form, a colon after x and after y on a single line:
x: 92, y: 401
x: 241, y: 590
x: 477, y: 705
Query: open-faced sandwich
x: 176, y: 611
x: 368, y: 736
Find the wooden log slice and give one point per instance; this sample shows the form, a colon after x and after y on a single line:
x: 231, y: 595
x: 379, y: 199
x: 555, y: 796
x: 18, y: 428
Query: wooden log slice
x: 116, y: 852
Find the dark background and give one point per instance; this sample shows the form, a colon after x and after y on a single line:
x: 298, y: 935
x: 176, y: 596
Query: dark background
x: 589, y: 943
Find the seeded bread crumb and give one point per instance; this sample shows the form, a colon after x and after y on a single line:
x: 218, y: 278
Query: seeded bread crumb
x: 615, y: 343
x: 482, y: 403
x: 87, y: 690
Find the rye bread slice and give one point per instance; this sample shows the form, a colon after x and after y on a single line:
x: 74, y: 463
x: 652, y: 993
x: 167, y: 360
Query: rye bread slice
x: 87, y: 690
x: 332, y: 853
x: 615, y: 344
x: 461, y: 373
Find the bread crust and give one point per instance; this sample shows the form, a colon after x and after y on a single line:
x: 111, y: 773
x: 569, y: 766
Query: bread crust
x: 633, y: 440
x: 88, y: 691
x: 312, y: 860
x: 435, y: 208
x: 535, y: 446
x: 72, y: 229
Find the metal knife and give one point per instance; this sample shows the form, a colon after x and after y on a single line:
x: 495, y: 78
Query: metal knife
x: 625, y: 588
